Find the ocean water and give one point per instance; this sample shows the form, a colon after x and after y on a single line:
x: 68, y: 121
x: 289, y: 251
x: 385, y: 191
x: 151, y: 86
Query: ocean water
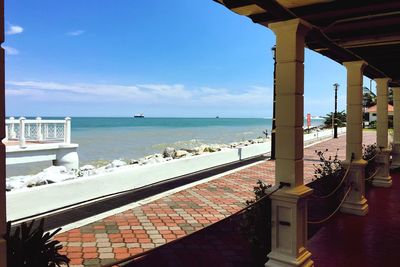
x: 104, y: 139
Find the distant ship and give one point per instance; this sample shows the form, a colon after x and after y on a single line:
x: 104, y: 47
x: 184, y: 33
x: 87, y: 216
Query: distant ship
x: 141, y: 115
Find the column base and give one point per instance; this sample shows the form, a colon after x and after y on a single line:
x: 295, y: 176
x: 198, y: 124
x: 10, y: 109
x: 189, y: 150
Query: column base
x: 383, y: 178
x: 289, y: 228
x: 395, y: 156
x: 359, y: 208
x: 382, y: 181
x: 356, y: 203
x: 282, y: 260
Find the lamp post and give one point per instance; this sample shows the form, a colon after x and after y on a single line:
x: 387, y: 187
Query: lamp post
x: 336, y: 86
x: 273, y: 50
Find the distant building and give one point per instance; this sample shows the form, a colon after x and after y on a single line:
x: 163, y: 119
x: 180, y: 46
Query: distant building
x: 371, y: 111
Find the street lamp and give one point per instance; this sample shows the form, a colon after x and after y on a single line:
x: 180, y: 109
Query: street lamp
x: 273, y: 50
x: 336, y: 86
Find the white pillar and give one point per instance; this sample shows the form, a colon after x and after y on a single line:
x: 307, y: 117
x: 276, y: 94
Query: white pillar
x: 382, y: 178
x: 355, y: 203
x: 39, y: 129
x: 396, y: 128
x: 12, y: 128
x: 289, y: 206
x: 67, y: 130
x: 22, y: 141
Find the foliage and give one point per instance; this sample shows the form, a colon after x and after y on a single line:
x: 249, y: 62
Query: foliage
x: 328, y: 173
x: 327, y: 167
x: 340, y: 119
x: 369, y: 151
x: 256, y: 223
x: 373, y: 124
x: 29, y: 246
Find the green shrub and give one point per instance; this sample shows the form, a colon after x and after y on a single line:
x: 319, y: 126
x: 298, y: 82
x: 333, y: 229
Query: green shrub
x: 256, y: 224
x: 29, y: 246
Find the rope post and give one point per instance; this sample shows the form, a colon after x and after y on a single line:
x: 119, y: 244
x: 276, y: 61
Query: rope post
x: 355, y: 202
x: 22, y: 140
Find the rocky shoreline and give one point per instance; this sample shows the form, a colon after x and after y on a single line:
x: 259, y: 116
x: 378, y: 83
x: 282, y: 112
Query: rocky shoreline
x: 56, y: 174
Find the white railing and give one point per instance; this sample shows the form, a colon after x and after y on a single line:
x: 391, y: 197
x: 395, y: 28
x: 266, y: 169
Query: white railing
x: 38, y: 130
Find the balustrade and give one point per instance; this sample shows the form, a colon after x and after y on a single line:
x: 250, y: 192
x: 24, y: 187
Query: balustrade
x: 25, y: 130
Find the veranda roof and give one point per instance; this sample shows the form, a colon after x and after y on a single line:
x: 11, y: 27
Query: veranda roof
x: 343, y: 30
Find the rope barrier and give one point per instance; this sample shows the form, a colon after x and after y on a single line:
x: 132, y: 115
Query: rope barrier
x: 144, y: 253
x: 338, y: 186
x: 373, y: 175
x: 334, y: 212
x: 369, y: 160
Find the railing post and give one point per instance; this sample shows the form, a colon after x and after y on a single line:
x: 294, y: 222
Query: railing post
x: 22, y: 141
x: 6, y: 138
x: 67, y: 130
x: 13, y: 134
x: 39, y: 134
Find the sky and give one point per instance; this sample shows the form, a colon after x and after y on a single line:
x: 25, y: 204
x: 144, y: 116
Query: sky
x: 174, y: 58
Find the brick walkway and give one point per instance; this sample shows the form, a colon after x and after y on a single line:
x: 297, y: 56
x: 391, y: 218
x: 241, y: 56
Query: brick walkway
x: 156, y: 223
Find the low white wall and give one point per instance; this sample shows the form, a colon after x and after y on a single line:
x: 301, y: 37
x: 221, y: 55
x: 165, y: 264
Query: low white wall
x: 30, y: 201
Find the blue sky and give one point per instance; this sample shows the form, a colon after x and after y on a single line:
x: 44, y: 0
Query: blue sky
x: 162, y: 58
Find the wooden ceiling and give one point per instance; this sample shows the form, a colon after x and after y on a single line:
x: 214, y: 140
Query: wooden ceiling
x: 344, y: 30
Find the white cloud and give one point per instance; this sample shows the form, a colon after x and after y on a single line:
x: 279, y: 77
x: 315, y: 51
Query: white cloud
x: 75, y: 33
x: 14, y: 29
x: 10, y: 50
x: 176, y: 95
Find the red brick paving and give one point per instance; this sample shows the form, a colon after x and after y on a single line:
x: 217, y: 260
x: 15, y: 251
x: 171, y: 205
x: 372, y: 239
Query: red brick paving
x: 156, y: 223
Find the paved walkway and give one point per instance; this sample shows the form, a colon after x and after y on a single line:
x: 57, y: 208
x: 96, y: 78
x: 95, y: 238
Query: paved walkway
x: 156, y: 223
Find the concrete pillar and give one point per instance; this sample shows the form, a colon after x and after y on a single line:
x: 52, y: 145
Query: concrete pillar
x: 355, y: 203
x: 22, y: 140
x: 67, y: 130
x: 3, y: 250
x: 67, y: 157
x: 382, y: 178
x: 289, y: 205
x: 396, y: 128
x: 39, y: 129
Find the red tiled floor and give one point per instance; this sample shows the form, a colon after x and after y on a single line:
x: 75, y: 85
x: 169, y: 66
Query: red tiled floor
x: 182, y: 213
x: 363, y: 241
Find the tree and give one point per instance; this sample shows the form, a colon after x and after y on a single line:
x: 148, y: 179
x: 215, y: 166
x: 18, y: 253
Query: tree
x: 369, y: 98
x: 340, y: 119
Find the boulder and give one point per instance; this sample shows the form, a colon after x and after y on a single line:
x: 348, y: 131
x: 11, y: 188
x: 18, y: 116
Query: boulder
x: 181, y: 153
x: 169, y: 152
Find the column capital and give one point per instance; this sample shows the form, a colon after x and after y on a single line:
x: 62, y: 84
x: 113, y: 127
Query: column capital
x: 290, y: 36
x: 359, y: 64
x: 382, y: 81
x: 297, y: 25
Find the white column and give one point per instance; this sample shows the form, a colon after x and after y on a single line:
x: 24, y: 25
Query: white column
x: 289, y: 206
x: 67, y: 130
x: 355, y: 203
x: 12, y: 128
x: 22, y: 141
x: 39, y: 129
x: 382, y: 178
x: 396, y: 128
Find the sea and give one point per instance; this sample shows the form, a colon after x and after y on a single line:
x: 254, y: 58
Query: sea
x: 102, y: 140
